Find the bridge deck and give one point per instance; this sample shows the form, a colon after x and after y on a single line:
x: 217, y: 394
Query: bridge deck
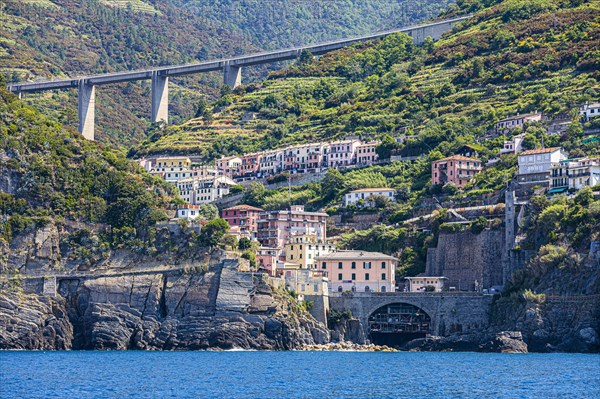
x: 215, y: 65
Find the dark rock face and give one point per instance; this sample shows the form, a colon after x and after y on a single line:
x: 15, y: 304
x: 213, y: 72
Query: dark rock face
x: 505, y: 342
x: 221, y: 308
x: 28, y: 322
x: 350, y: 330
x: 555, y: 325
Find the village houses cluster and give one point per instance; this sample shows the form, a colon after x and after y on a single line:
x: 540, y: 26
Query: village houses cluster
x: 293, y: 243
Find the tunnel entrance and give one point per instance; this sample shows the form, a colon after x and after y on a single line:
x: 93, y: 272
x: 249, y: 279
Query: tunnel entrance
x: 397, y: 323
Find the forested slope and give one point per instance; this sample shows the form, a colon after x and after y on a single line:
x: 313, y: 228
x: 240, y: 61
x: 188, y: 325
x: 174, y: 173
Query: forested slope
x: 512, y: 57
x: 43, y: 38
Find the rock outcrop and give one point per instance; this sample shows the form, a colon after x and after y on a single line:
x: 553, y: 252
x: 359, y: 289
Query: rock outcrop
x: 33, y: 322
x: 221, y: 308
x: 505, y: 342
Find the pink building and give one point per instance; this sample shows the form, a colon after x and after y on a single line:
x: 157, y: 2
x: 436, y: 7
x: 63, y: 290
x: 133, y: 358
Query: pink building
x: 359, y: 271
x: 229, y: 166
x: 250, y: 164
x: 342, y: 153
x: 456, y: 169
x: 243, y: 219
x: 367, y: 153
x: 275, y: 228
x: 267, y: 259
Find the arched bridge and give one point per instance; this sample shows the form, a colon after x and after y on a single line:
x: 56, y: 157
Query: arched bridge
x: 415, y: 314
x: 231, y: 67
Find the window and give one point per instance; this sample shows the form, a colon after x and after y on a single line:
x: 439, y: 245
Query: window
x: 324, y: 265
x: 300, y: 256
x: 383, y: 276
x: 366, y: 265
x: 339, y: 265
x: 383, y: 265
x: 340, y: 276
x: 367, y: 276
x: 291, y: 257
x: 353, y: 276
x: 340, y: 288
x: 354, y: 265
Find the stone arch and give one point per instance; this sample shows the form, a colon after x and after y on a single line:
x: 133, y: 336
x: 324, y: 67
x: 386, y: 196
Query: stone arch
x: 398, y: 322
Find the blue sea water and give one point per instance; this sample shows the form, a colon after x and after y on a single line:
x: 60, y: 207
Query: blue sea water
x: 227, y: 375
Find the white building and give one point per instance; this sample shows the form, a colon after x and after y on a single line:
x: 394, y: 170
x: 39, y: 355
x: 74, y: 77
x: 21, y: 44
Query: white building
x: 426, y: 284
x: 271, y: 163
x: 589, y: 111
x: 574, y: 174
x: 366, y: 194
x: 229, y: 166
x: 342, y: 153
x: 508, y: 124
x: 514, y: 145
x: 535, y: 165
x: 205, y: 190
x: 189, y: 212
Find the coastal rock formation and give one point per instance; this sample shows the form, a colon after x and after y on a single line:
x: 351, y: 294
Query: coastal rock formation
x: 220, y: 308
x: 505, y: 342
x: 33, y: 322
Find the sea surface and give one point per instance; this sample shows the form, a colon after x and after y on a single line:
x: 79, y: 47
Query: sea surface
x: 241, y: 374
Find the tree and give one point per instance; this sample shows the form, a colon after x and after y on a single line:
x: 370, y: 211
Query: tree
x: 255, y: 194
x: 202, y: 108
x: 332, y: 184
x: 208, y: 211
x: 530, y: 142
x: 229, y: 240
x: 585, y: 196
x: 478, y: 225
x: 226, y: 90
x: 450, y: 188
x: 251, y: 256
x: 213, y: 231
x: 244, y: 243
x: 388, y: 144
x: 305, y: 57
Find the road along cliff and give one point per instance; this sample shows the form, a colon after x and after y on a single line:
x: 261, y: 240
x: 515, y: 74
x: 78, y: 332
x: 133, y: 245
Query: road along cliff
x: 170, y: 310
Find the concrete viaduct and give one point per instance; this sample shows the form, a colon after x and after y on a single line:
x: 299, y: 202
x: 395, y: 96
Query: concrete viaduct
x: 231, y: 67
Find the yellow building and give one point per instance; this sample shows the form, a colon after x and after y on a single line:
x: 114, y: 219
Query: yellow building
x: 303, y: 250
x: 306, y: 282
x: 173, y: 162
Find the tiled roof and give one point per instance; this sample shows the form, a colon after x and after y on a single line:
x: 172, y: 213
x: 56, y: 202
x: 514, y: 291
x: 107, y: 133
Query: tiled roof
x: 349, y: 255
x: 510, y: 118
x: 459, y: 158
x: 540, y: 151
x: 367, y: 190
x: 244, y: 207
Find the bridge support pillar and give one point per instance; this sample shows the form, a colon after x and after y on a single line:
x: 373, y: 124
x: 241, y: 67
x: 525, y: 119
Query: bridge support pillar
x: 160, y: 97
x: 86, y: 108
x: 232, y: 75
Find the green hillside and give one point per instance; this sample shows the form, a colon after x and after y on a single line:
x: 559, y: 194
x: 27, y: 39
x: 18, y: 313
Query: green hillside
x: 50, y: 173
x: 58, y: 38
x: 512, y: 57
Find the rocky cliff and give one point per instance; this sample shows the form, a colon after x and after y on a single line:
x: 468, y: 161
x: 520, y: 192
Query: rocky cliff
x: 220, y: 308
